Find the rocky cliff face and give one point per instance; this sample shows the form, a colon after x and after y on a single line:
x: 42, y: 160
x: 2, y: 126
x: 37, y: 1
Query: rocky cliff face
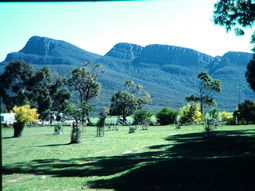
x: 125, y: 51
x: 46, y: 51
x: 173, y: 55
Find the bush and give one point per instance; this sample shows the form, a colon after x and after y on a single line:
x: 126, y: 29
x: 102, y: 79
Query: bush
x: 58, y: 128
x: 245, y: 112
x: 227, y: 117
x: 23, y: 114
x: 142, y: 116
x: 190, y: 114
x: 166, y: 116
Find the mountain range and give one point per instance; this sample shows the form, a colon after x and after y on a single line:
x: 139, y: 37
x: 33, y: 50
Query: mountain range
x: 168, y: 73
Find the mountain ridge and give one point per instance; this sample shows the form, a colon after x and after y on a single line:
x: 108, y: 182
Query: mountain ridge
x: 168, y: 73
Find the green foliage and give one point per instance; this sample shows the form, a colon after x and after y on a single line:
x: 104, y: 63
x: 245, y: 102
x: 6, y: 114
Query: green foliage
x: 190, y: 114
x: 123, y: 103
x: 237, y: 14
x: 240, y: 15
x: 213, y: 114
x: 207, y: 87
x: 102, y: 117
x: 101, y: 122
x: 75, y: 134
x: 58, y: 128
x: 13, y: 86
x: 22, y: 85
x: 84, y: 81
x: 246, y: 112
x: 250, y: 73
x: 76, y: 112
x: 61, y: 99
x: 227, y: 117
x: 166, y: 116
x: 126, y: 103
x: 142, y: 116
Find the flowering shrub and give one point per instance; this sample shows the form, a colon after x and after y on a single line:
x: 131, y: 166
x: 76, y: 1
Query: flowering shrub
x: 227, y: 117
x: 23, y: 115
x: 190, y: 114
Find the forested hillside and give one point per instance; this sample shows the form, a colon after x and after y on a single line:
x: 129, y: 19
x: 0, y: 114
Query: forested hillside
x: 168, y: 73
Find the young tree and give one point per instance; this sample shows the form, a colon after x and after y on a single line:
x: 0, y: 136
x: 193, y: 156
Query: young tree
x: 23, y: 114
x: 76, y: 113
x: 207, y: 88
x: 101, y: 122
x: 84, y: 81
x: 125, y: 103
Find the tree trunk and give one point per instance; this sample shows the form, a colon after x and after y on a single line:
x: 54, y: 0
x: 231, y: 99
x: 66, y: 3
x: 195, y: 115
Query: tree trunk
x: 18, y: 128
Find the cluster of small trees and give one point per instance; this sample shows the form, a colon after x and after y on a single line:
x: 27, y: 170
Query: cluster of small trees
x: 22, y: 85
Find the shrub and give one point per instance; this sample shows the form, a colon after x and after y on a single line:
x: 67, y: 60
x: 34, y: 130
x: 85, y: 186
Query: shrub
x: 190, y: 114
x: 23, y: 115
x: 166, y: 116
x: 58, y: 128
x: 227, y: 117
x: 142, y: 116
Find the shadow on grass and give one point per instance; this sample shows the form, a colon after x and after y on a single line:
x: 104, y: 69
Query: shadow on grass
x: 54, y: 145
x: 188, y: 162
x: 8, y: 137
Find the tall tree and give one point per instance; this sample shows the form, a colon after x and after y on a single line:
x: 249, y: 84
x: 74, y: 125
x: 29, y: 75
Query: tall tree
x: 250, y: 73
x: 39, y: 86
x: 246, y: 112
x: 238, y: 15
x: 125, y: 103
x: 14, y: 84
x: 207, y: 88
x: 84, y: 81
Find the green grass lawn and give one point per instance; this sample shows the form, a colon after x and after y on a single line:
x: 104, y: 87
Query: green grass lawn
x: 160, y: 158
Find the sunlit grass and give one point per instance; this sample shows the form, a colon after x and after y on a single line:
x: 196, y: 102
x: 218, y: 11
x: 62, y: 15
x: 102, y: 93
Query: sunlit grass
x: 41, y: 160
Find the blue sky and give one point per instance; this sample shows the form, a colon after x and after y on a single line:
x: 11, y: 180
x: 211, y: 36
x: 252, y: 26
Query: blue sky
x: 98, y: 26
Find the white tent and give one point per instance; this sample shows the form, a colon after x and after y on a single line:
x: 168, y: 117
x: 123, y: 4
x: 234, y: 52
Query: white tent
x: 7, y: 118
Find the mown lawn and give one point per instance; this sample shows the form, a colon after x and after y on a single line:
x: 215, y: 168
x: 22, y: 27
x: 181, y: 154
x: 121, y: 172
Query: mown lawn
x: 160, y: 158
